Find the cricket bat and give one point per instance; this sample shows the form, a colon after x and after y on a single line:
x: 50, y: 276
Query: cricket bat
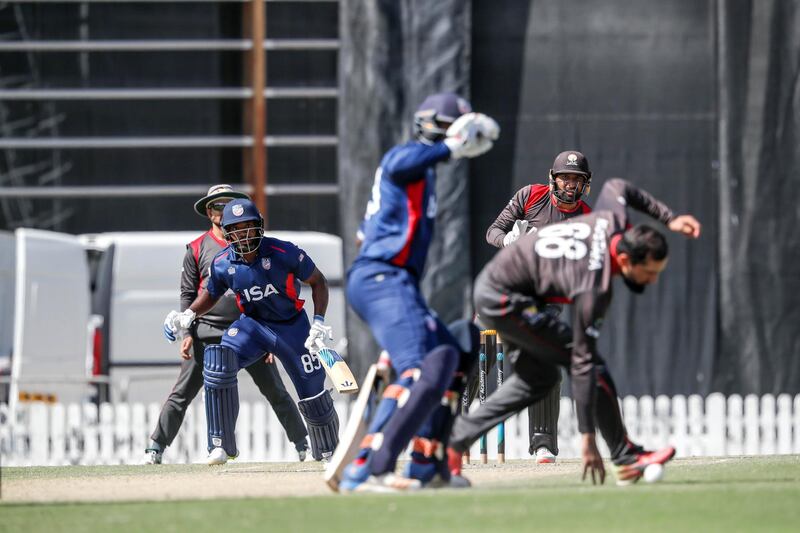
x: 340, y: 374
x: 357, y: 424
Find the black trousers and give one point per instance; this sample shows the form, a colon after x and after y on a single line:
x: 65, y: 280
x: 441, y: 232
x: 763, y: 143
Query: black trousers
x: 537, y: 345
x: 190, y: 381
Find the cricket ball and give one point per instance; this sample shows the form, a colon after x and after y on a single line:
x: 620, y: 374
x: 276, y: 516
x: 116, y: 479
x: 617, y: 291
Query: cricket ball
x: 653, y: 473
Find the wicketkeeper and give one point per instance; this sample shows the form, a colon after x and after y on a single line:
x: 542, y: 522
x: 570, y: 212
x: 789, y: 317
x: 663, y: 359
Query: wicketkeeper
x: 533, y: 207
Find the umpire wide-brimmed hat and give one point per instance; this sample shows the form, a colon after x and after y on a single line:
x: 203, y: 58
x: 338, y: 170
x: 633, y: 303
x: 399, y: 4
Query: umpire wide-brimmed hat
x: 216, y: 192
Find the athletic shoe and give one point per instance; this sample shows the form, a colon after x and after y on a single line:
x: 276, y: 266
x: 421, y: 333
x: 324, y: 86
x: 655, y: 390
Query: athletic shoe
x: 455, y: 460
x: 354, y: 474
x: 219, y: 456
x: 543, y: 456
x: 151, y: 457
x: 383, y: 484
x: 302, y: 450
x: 424, y: 472
x: 628, y: 474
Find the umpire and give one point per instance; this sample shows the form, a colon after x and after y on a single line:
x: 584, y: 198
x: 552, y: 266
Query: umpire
x: 208, y: 329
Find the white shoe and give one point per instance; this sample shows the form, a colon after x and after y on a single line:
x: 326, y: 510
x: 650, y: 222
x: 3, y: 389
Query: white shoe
x: 151, y: 457
x: 543, y: 456
x: 388, y: 483
x: 219, y: 456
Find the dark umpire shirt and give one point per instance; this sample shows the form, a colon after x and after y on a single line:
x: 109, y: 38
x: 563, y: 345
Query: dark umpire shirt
x: 568, y: 260
x: 194, y: 276
x: 535, y: 204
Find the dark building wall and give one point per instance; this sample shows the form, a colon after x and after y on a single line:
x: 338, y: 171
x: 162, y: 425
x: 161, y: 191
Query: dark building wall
x: 165, y: 118
x: 632, y: 86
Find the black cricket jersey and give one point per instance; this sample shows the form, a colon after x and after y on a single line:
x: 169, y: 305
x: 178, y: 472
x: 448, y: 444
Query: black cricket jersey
x: 535, y: 204
x: 568, y: 261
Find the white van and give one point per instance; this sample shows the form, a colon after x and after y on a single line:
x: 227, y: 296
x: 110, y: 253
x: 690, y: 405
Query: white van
x: 136, y: 282
x: 90, y: 309
x: 44, y: 309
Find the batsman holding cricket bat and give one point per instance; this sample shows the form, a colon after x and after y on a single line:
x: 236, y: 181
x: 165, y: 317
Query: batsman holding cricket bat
x: 264, y: 273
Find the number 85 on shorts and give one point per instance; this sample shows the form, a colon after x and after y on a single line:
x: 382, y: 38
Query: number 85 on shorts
x: 310, y: 363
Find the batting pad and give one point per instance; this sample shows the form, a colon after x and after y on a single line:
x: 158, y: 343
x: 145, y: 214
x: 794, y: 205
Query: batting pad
x: 322, y: 422
x: 222, y: 397
x: 543, y: 421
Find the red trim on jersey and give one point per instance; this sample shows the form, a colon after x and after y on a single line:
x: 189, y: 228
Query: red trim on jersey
x: 583, y: 205
x: 612, y: 249
x: 239, y: 303
x: 291, y: 292
x: 414, y: 192
x: 536, y: 193
x: 281, y: 250
x: 195, y: 246
x: 221, y: 242
x: 558, y: 300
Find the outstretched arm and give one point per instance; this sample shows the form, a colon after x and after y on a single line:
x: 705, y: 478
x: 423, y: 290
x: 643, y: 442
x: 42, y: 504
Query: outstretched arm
x: 617, y: 194
x: 203, y: 303
x: 319, y: 292
x: 319, y: 332
x: 177, y: 323
x: 588, y: 311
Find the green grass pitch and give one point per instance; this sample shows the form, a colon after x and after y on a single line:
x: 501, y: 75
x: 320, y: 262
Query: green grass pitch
x: 702, y: 494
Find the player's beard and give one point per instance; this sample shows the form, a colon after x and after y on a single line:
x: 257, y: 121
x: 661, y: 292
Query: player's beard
x: 636, y: 288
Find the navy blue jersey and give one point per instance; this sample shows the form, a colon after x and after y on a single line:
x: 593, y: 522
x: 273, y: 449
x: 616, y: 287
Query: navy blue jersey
x: 268, y: 288
x: 398, y: 225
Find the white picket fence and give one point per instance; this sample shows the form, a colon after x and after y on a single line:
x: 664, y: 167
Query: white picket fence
x: 42, y: 434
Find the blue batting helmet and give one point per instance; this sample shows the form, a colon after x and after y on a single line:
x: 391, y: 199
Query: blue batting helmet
x: 435, y: 115
x: 243, y: 240
x: 239, y: 210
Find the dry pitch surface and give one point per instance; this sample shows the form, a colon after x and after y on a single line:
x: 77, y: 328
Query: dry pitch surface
x: 234, y: 480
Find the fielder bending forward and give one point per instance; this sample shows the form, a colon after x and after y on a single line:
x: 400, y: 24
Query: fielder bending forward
x: 383, y: 289
x: 264, y: 274
x: 575, y: 259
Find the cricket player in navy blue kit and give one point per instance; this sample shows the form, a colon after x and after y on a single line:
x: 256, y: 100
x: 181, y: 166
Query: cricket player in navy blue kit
x: 383, y: 289
x: 265, y: 275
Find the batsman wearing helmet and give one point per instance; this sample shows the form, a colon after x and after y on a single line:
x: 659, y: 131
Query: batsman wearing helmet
x: 574, y: 260
x: 209, y: 329
x: 383, y: 289
x: 532, y: 207
x: 264, y: 274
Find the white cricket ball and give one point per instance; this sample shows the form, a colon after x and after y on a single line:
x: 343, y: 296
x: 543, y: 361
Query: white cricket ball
x: 653, y: 473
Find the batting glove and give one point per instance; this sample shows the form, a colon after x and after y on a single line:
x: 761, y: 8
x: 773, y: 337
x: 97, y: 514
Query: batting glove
x: 318, y: 334
x: 471, y: 135
x: 178, y: 322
